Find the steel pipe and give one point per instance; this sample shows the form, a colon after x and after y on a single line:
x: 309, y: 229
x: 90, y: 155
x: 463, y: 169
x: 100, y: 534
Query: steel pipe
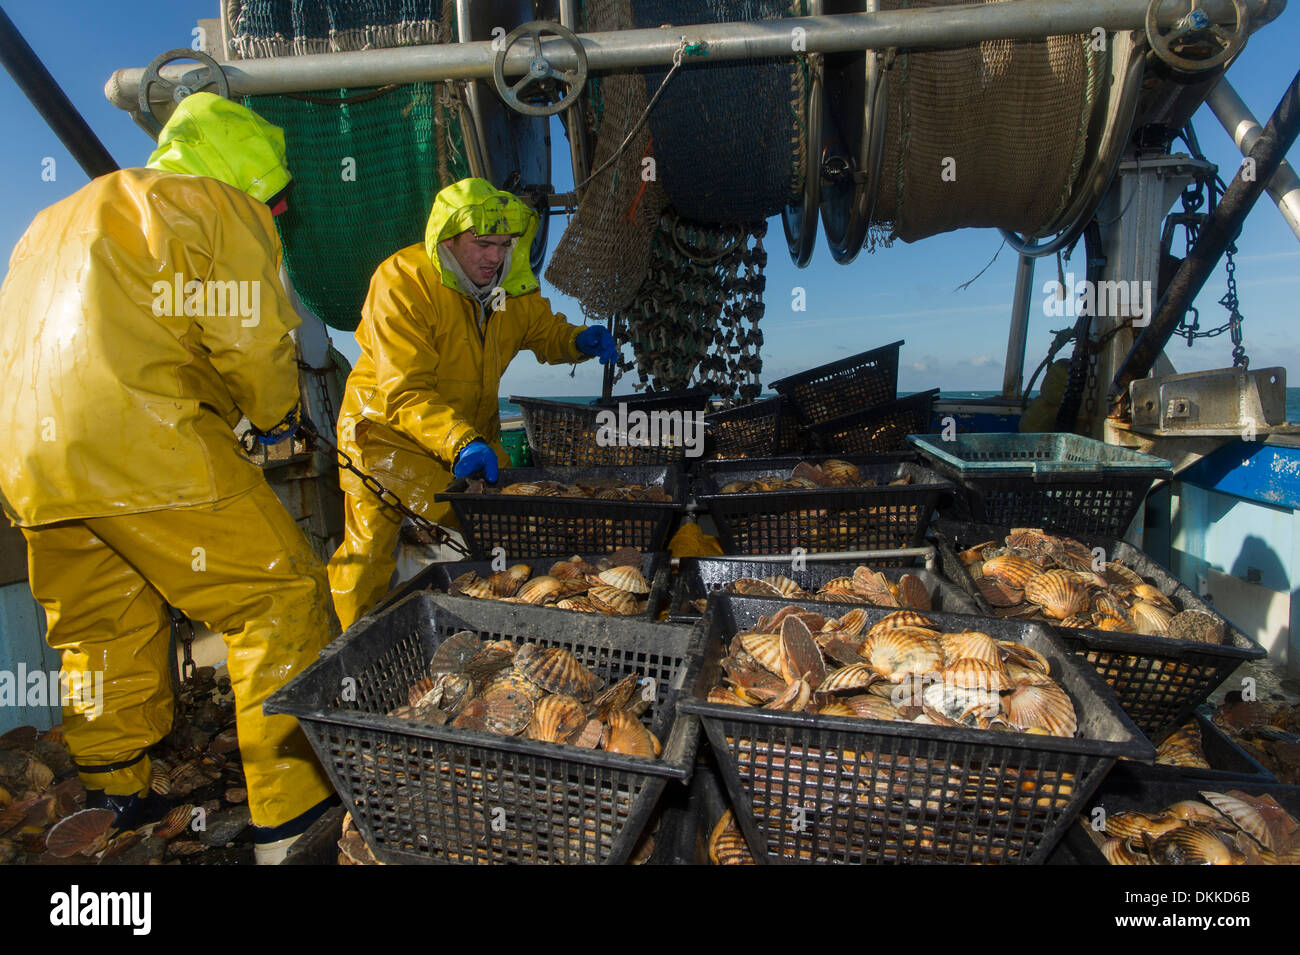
x: 1222, y: 228
x: 1284, y: 185
x: 1013, y: 374
x: 932, y: 28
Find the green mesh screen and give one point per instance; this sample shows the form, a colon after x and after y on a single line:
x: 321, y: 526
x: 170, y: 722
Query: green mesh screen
x: 366, y: 166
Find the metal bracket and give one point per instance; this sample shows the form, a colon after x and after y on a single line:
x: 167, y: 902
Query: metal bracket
x: 1223, y: 402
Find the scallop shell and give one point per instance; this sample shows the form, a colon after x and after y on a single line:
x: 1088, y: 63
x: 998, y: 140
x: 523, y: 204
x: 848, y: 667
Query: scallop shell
x: 1189, y: 810
x: 720, y: 694
x: 1150, y: 618
x: 1011, y: 570
x: 1112, y: 624
x: 836, y: 708
x: 1077, y: 621
x: 577, y: 604
x: 458, y: 585
x: 175, y: 822
x: 800, y: 656
x: 1191, y: 845
x: 912, y: 593
x: 784, y: 585
x: 611, y: 600
x: 1121, y: 852
x: 1183, y: 748
x: 83, y: 832
x: 971, y: 645
x: 1024, y: 655
x: 1058, y: 592
x: 765, y: 648
x: 489, y: 661
x: 870, y: 707
x: 875, y: 587
x: 999, y: 594
x: 902, y: 651
x: 525, y: 488
x: 625, y: 578
x: 507, y: 711
x: 1196, y: 625
x: 454, y: 652
x: 727, y: 844
x: 540, y: 589
x: 852, y: 623
x: 902, y: 618
x: 808, y: 471
x: 855, y: 676
x: 1132, y: 825
x: 795, y: 698
x: 961, y: 704
x: 1046, y: 706
x: 1121, y: 575
x: 1156, y: 596
x: 480, y: 588
x: 1247, y: 815
x: 512, y: 679
x: 557, y: 719
x: 616, y: 697
x: 556, y: 670
x: 839, y: 583
x: 626, y: 735
x: 973, y: 674
x: 842, y: 472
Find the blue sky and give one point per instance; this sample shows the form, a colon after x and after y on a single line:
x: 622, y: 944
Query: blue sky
x: 955, y: 339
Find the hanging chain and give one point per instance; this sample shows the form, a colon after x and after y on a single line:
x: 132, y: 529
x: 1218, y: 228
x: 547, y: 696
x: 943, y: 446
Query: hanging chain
x: 387, y: 497
x: 183, y: 630
x: 322, y: 387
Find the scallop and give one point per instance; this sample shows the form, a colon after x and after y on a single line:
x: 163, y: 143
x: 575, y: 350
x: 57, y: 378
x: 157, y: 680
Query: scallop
x: 1046, y: 706
x: 1024, y: 655
x: 1150, y: 618
x: 1196, y: 625
x: 1121, y: 852
x: 971, y: 645
x: 540, y: 590
x: 870, y: 707
x: 1058, y: 592
x: 1155, y: 596
x: 1247, y: 816
x: 810, y: 472
x: 83, y: 832
x: 852, y: 623
x: 175, y: 822
x: 897, y: 653
x: 855, y: 676
x: 625, y: 578
x: 626, y: 735
x: 489, y: 661
x: 556, y: 670
x: 1132, y: 825
x: 726, y: 843
x: 523, y: 488
x: 902, y: 618
x: 961, y: 704
x: 1191, y: 845
x: 616, y: 697
x: 842, y: 472
x: 998, y: 593
x: 795, y: 698
x: 720, y: 694
x: 800, y: 656
x: 454, y: 652
x: 1012, y: 570
x: 1121, y: 575
x: 912, y: 593
x: 765, y: 648
x: 479, y: 588
x: 875, y: 587
x: 1183, y: 748
x: 578, y: 604
x: 974, y: 674
x: 556, y: 718
x: 612, y: 600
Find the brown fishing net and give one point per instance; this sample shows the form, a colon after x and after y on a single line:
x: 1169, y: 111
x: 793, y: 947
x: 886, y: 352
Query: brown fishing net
x: 602, y: 257
x: 985, y: 136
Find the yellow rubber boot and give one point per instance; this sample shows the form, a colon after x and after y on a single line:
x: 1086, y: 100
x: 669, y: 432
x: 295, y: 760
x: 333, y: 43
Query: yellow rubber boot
x: 112, y: 632
x: 243, y: 568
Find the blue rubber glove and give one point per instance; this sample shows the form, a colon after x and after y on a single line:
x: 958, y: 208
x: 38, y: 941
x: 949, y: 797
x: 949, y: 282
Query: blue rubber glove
x: 475, y: 457
x: 596, y: 340
x: 287, y: 428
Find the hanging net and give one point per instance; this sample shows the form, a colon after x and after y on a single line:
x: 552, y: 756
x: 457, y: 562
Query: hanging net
x: 366, y: 163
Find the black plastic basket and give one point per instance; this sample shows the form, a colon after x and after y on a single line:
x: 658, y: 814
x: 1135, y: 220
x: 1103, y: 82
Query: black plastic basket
x: 1128, y: 793
x: 850, y: 384
x: 824, y: 519
x: 1060, y: 481
x: 882, y: 427
x: 420, y: 792
x: 812, y: 788
x: 656, y: 567
x: 749, y: 431
x: 792, y: 435
x: 698, y: 577
x: 564, y: 434
x: 530, y: 526
x: 1227, y: 760
x: 1160, y: 682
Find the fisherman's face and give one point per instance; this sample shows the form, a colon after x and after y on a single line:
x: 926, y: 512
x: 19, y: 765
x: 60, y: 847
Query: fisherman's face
x: 481, y: 255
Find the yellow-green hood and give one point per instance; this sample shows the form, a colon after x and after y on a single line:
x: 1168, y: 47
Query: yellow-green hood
x: 476, y: 204
x: 214, y: 137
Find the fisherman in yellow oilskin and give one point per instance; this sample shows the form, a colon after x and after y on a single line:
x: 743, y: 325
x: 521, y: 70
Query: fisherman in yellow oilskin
x: 441, y: 323
x: 140, y: 318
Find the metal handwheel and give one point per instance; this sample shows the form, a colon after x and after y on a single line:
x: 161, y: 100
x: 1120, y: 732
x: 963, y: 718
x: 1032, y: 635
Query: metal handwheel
x: 207, y: 74
x: 540, y: 79
x: 1196, y: 26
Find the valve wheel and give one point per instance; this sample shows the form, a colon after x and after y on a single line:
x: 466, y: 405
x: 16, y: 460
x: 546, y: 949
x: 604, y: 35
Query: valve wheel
x: 207, y: 74
x: 1196, y: 26
x: 541, y: 79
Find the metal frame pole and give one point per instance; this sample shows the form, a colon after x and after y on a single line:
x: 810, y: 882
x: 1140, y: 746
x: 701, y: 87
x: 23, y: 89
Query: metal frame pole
x: 1013, y: 375
x: 623, y: 50
x: 1283, y: 186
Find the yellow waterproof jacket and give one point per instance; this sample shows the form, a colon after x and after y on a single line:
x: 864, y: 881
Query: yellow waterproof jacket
x: 122, y: 379
x: 427, y: 380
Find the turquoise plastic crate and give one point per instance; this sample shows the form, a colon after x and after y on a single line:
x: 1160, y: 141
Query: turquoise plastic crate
x: 1063, y: 481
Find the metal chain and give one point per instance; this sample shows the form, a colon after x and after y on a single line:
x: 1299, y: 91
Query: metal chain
x: 322, y: 388
x: 387, y: 497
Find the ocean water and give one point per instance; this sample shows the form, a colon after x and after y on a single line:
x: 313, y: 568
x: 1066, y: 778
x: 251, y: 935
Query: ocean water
x: 510, y: 410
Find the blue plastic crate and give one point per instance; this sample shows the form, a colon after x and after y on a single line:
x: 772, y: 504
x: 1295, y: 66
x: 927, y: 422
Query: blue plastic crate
x: 1062, y: 481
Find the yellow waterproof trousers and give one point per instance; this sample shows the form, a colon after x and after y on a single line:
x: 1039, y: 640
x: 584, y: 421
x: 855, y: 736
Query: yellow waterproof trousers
x: 243, y: 568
